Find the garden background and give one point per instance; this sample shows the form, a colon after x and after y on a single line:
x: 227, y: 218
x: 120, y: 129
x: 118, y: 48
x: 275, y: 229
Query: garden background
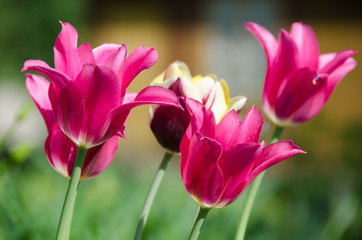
x: 313, y: 196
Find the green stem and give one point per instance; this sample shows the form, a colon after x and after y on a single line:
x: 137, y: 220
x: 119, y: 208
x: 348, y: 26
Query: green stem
x: 276, y: 135
x: 151, y: 195
x: 67, y: 211
x: 254, y: 187
x: 199, y: 222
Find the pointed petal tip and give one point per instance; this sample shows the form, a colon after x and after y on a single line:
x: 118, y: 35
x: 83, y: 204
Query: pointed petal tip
x: 295, y: 147
x: 64, y: 24
x: 249, y: 25
x: 300, y: 151
x: 30, y: 76
x: 300, y: 23
x: 284, y: 33
x: 24, y: 68
x: 348, y: 52
x: 353, y: 52
x: 29, y: 63
x: 254, y: 109
x: 238, y: 103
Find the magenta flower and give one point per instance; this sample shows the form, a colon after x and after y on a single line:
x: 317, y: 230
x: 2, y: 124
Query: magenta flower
x: 299, y: 80
x: 218, y: 161
x: 59, y: 149
x: 88, y: 87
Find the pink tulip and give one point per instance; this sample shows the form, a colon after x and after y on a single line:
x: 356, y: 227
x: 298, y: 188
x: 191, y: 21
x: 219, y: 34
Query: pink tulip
x: 299, y: 80
x: 88, y: 87
x: 218, y: 161
x: 59, y: 149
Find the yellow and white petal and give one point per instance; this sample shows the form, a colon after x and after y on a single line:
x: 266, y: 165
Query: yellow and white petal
x: 225, y: 88
x: 157, y: 81
x: 167, y: 83
x: 205, y: 86
x: 178, y: 69
x: 237, y: 103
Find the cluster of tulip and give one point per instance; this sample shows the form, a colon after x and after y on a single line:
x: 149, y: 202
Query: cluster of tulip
x: 85, y: 106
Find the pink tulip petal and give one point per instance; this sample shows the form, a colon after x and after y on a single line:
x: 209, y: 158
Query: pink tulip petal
x: 140, y: 59
x: 229, y: 197
x: 206, y: 185
x: 299, y: 87
x: 99, y: 158
x: 120, y: 132
x: 313, y: 106
x: 208, y: 127
x: 339, y: 73
x: 272, y: 154
x: 265, y: 38
x: 65, y: 51
x: 34, y: 63
x: 68, y: 109
x: 236, y: 163
x: 59, y: 78
x: 230, y: 121
x: 251, y: 125
x: 183, y: 87
x: 307, y: 43
x: 112, y: 56
x: 184, y: 146
x: 100, y: 90
x: 192, y: 106
x: 148, y: 95
x: 129, y: 97
x: 85, y: 54
x: 157, y: 95
x: 60, y: 151
x: 338, y: 60
x: 37, y: 87
x: 200, y: 119
x: 212, y: 187
x: 237, y: 160
x: 324, y: 59
x: 286, y: 61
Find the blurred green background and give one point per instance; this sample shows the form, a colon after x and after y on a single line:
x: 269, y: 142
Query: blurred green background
x: 315, y: 196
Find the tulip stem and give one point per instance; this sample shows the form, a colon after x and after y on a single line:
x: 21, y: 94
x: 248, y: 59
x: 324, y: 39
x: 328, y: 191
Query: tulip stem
x: 253, y: 190
x: 67, y: 211
x: 276, y: 135
x: 151, y: 195
x: 199, y: 222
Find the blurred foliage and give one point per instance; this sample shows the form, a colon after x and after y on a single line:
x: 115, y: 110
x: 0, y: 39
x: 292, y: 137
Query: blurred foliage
x: 28, y: 30
x: 293, y: 204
